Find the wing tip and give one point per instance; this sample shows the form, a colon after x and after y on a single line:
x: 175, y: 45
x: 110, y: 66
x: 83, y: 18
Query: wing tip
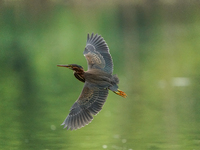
x: 78, y: 121
x: 93, y: 37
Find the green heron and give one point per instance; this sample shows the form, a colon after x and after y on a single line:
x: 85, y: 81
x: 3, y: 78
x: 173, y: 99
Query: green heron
x: 98, y: 80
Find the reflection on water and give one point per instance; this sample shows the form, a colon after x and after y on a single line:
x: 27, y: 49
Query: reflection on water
x: 176, y: 81
x: 156, y: 56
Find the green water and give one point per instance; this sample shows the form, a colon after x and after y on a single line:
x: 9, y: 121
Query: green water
x: 156, y: 53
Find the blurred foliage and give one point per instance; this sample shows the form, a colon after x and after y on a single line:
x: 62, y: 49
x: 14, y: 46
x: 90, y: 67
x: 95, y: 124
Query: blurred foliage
x: 155, y: 48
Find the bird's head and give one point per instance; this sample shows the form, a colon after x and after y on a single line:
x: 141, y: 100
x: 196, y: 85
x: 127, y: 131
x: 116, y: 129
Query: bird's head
x: 73, y: 67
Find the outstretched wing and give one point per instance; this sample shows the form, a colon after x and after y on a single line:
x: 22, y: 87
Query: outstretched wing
x: 89, y: 103
x: 97, y: 54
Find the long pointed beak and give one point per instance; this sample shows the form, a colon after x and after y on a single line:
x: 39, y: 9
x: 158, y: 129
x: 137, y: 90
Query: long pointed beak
x: 67, y: 66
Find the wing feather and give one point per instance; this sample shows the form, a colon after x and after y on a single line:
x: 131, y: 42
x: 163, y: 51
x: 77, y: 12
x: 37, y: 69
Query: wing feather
x: 89, y: 103
x: 97, y: 54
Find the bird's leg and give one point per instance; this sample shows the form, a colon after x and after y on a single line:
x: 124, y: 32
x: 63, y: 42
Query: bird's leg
x: 121, y: 93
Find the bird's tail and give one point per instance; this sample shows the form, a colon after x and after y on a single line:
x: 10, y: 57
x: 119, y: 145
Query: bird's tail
x: 114, y: 88
x: 115, y: 79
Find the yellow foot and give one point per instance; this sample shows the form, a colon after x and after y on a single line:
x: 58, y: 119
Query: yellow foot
x: 121, y: 93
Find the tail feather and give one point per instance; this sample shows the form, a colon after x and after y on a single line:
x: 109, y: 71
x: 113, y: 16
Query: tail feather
x: 115, y: 79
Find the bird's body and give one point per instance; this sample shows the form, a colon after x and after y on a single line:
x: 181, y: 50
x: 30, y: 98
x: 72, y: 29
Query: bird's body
x: 98, y: 79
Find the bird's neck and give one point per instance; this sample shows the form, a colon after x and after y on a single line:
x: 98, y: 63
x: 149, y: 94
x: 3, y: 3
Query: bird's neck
x: 79, y: 75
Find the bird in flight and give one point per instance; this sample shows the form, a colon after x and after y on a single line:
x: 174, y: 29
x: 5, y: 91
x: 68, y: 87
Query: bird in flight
x: 98, y: 80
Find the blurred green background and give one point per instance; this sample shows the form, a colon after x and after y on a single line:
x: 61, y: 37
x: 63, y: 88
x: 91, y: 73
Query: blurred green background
x: 155, y: 46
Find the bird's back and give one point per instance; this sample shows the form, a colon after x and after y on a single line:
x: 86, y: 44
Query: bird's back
x: 99, y: 77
